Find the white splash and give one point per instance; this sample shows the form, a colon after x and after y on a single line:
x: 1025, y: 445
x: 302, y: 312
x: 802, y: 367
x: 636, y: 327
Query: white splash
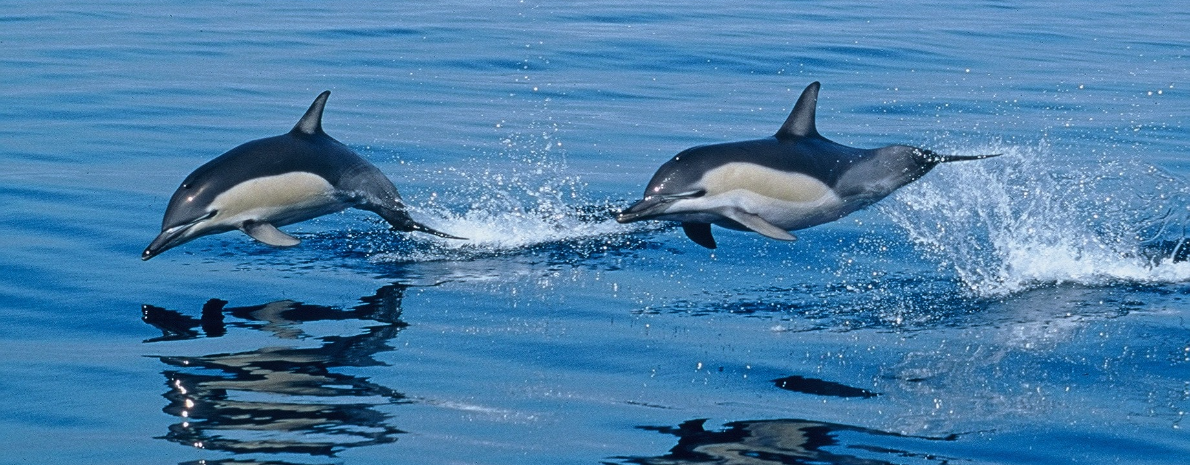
x: 1016, y: 222
x: 524, y: 200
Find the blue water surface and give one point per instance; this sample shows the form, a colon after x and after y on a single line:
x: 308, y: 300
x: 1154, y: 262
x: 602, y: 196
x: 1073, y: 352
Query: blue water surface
x: 1027, y: 309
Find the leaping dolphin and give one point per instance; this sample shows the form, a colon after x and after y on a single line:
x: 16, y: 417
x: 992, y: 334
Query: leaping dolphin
x: 277, y: 181
x: 790, y: 181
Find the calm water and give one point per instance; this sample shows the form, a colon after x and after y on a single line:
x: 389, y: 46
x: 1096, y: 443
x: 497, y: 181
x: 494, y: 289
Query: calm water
x: 1029, y: 309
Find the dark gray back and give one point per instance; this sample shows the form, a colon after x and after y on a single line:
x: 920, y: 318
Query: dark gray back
x: 306, y: 148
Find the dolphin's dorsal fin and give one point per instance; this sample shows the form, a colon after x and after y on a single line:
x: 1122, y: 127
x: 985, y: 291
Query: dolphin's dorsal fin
x: 311, y: 122
x: 801, y: 121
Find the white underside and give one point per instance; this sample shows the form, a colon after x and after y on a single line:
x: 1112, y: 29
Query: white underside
x: 789, y: 201
x: 279, y: 200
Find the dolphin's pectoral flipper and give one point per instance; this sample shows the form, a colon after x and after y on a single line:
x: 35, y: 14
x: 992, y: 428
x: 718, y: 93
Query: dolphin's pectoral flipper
x: 758, y: 224
x: 269, y: 234
x: 700, y: 233
x: 401, y: 221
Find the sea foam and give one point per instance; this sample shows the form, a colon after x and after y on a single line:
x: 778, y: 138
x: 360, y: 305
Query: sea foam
x: 1022, y: 220
x: 519, y: 199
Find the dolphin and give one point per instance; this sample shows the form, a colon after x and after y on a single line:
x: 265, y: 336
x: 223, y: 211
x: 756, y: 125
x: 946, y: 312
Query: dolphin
x: 790, y: 181
x: 277, y: 181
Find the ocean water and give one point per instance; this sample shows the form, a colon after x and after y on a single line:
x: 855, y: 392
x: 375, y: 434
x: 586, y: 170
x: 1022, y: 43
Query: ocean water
x: 1026, y: 309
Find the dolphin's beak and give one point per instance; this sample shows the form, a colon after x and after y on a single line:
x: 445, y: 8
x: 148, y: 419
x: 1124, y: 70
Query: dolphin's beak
x: 649, y: 207
x: 164, y: 241
x: 174, y: 236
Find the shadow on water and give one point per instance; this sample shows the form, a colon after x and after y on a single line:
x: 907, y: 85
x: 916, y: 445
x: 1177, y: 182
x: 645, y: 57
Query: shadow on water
x: 788, y: 441
x: 288, y: 396
x: 820, y: 387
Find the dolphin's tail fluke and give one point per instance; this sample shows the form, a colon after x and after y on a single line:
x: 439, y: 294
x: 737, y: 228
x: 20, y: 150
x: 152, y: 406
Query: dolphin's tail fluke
x: 415, y: 226
x: 401, y: 221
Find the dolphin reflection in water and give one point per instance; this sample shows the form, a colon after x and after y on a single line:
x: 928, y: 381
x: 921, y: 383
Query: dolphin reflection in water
x: 289, y: 395
x: 789, y: 441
